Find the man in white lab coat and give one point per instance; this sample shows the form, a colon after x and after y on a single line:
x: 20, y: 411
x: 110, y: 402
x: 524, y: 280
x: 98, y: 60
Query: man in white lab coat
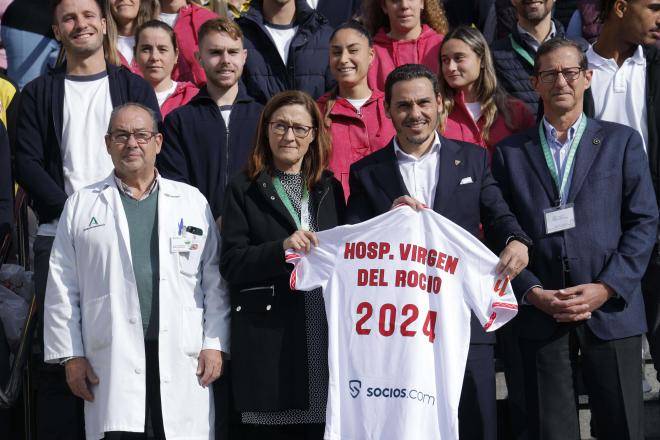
x: 134, y: 306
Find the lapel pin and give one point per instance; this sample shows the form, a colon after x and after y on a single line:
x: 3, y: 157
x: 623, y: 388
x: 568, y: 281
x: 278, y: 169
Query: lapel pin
x: 596, y: 141
x: 457, y: 162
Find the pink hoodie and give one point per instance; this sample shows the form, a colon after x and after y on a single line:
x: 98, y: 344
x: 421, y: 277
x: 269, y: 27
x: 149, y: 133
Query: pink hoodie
x: 183, y: 93
x: 391, y: 53
x: 191, y: 17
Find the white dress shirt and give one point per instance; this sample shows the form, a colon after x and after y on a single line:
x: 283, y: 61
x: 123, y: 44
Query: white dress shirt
x: 620, y: 92
x: 420, y: 174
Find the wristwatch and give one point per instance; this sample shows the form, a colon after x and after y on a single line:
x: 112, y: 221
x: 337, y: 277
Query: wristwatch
x: 523, y: 239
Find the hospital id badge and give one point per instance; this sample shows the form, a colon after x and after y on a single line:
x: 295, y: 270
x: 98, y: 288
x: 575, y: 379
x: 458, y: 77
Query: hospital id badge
x: 178, y: 244
x: 559, y: 219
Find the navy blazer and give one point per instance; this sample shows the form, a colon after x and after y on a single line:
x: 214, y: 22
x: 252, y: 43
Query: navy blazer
x: 39, y: 132
x: 616, y: 219
x: 375, y: 181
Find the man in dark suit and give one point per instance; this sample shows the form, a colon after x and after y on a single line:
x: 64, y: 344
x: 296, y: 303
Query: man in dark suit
x: 419, y: 167
x: 580, y: 191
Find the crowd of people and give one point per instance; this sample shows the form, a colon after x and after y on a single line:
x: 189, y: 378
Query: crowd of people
x: 173, y: 152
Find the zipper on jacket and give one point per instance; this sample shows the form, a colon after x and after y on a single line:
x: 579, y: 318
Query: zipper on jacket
x: 251, y: 289
x: 227, y: 149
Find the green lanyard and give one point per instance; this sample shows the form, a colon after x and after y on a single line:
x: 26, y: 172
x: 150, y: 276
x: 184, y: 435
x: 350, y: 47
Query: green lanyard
x: 521, y: 51
x: 569, y: 160
x: 303, y: 221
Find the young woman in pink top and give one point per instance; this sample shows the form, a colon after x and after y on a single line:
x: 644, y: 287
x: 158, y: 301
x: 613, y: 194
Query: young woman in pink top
x: 353, y: 111
x: 156, y: 54
x: 475, y: 109
x: 405, y: 31
x: 123, y: 17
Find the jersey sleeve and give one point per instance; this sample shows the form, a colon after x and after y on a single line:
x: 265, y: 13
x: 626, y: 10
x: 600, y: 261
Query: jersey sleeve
x: 489, y: 296
x: 314, y: 269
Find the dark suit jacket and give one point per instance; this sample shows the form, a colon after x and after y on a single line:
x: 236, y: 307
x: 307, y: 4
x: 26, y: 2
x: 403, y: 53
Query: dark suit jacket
x: 375, y: 182
x: 616, y: 216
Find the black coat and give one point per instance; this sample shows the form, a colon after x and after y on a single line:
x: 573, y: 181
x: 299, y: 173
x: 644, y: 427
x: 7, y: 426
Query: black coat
x: 39, y: 133
x: 513, y: 71
x: 268, y: 336
x: 201, y: 150
x: 307, y: 68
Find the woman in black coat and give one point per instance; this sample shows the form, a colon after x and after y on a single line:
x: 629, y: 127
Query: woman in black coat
x: 279, y: 336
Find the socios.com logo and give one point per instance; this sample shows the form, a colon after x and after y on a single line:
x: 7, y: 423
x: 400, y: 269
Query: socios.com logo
x: 354, y: 386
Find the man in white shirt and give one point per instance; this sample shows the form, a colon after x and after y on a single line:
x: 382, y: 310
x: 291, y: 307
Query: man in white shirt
x: 420, y: 167
x: 59, y: 149
x: 625, y: 88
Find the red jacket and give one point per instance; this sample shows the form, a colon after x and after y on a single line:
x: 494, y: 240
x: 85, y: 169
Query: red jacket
x: 133, y: 67
x: 460, y: 125
x: 183, y: 93
x: 191, y: 17
x: 390, y: 53
x: 355, y: 134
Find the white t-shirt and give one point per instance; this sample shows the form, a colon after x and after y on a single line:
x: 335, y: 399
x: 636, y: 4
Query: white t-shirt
x: 85, y: 116
x: 162, y: 96
x: 282, y: 36
x: 474, y: 108
x: 358, y: 103
x: 398, y: 291
x: 169, y: 18
x: 225, y: 111
x: 620, y: 92
x: 313, y: 3
x: 125, y: 46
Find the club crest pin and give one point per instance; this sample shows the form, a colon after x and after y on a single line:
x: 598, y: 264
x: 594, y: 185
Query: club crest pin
x: 595, y: 141
x: 457, y: 162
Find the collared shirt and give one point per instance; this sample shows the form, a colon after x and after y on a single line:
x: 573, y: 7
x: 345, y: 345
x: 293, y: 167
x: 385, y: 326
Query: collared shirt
x: 127, y: 190
x: 420, y: 174
x: 531, y: 40
x: 620, y: 92
x: 560, y: 151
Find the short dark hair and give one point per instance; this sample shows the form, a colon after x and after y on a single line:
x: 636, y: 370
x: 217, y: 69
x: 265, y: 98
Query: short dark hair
x: 219, y: 25
x: 56, y: 3
x: 409, y: 72
x: 357, y: 27
x: 557, y: 43
x: 119, y: 108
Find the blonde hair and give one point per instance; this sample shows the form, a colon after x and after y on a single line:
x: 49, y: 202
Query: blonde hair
x: 148, y: 10
x: 492, y: 98
x: 374, y: 18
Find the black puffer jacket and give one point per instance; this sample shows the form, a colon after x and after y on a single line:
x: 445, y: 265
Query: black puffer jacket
x: 513, y: 71
x: 307, y: 68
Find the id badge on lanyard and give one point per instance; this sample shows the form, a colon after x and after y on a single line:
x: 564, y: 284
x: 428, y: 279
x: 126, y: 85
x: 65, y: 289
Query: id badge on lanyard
x: 561, y: 217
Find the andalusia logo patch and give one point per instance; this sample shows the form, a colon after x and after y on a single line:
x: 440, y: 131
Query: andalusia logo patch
x: 93, y: 223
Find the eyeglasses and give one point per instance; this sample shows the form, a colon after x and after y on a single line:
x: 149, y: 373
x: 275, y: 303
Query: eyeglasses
x: 122, y: 137
x: 550, y: 76
x: 280, y: 129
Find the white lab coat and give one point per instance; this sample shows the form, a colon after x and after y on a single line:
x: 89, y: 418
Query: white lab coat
x: 92, y: 309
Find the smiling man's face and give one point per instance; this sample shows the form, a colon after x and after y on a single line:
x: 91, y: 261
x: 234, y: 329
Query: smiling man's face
x: 79, y: 25
x: 533, y: 11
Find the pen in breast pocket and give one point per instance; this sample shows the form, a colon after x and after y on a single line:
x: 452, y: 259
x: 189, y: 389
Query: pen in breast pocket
x: 180, y: 226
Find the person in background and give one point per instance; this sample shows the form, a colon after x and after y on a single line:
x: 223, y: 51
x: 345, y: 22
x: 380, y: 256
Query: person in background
x: 28, y: 40
x: 9, y: 103
x: 6, y: 187
x: 586, y: 21
x: 353, y: 111
x: 208, y: 140
x: 279, y: 336
x: 156, y: 55
x: 62, y: 120
x: 625, y: 88
x: 186, y: 18
x: 513, y: 54
x: 475, y: 109
x: 404, y: 32
x: 288, y: 45
x: 124, y: 17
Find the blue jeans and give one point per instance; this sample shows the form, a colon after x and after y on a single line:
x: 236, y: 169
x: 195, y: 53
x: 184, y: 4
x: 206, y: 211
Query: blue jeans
x: 28, y: 54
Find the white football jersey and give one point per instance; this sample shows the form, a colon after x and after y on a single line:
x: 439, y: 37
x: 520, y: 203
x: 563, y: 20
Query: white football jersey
x: 398, y: 291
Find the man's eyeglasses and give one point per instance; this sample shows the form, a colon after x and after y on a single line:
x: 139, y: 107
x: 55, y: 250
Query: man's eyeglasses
x: 550, y: 76
x: 122, y: 137
x: 280, y: 129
